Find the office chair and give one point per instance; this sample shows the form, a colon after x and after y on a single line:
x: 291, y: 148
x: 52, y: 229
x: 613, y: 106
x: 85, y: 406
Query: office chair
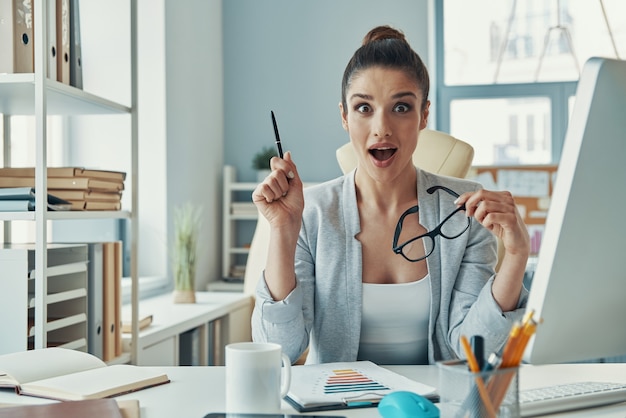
x: 436, y: 152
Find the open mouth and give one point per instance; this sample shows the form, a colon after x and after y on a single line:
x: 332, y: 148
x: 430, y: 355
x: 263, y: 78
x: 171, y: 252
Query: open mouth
x: 382, y: 154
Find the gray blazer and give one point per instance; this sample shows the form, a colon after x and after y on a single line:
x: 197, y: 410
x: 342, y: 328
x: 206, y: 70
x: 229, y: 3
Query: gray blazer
x: 324, y: 311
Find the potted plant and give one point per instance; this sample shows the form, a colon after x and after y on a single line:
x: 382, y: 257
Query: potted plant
x: 261, y: 161
x: 186, y: 229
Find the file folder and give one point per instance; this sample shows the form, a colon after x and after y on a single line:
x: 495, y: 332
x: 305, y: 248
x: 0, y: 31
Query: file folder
x: 52, y: 40
x: 76, y: 68
x: 16, y: 36
x: 117, y: 250
x: 109, y: 316
x: 63, y: 40
x: 95, y: 299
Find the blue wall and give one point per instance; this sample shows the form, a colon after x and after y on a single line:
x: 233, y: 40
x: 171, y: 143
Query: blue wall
x: 288, y: 56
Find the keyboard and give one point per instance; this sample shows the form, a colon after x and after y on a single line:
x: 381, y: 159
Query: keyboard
x: 570, y: 396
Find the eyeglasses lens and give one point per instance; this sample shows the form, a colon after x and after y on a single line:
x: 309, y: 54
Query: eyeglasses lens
x: 455, y: 225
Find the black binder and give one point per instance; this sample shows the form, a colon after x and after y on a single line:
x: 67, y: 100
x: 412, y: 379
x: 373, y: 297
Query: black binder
x: 76, y: 66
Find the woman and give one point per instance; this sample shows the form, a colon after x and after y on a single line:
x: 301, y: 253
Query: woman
x: 334, y: 283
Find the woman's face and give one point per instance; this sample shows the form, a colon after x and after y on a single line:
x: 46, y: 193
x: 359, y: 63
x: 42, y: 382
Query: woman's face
x: 383, y: 119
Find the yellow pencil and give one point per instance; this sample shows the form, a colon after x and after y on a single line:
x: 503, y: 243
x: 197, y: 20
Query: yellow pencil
x: 511, y: 343
x: 527, y: 332
x: 471, y: 360
x: 500, y: 382
x: 529, y: 328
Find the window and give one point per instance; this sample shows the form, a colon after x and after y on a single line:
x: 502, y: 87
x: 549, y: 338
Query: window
x: 508, y: 72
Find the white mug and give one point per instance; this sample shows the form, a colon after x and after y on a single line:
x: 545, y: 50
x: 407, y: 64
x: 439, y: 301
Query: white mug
x: 253, y: 377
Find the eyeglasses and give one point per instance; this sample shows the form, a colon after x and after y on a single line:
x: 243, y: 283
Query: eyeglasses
x: 421, y: 246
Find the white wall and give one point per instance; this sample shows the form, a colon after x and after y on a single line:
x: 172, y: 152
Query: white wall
x: 194, y: 115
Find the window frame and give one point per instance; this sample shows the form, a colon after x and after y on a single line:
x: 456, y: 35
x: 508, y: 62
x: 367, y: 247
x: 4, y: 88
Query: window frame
x: 557, y: 92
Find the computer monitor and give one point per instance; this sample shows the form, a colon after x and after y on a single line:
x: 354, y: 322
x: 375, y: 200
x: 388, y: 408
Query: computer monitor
x: 579, y: 285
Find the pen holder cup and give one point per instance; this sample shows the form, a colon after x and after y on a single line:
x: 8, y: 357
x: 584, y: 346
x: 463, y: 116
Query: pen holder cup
x: 486, y: 394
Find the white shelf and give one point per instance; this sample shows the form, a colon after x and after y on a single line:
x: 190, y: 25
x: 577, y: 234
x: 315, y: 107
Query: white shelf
x: 244, y: 217
x: 230, y: 247
x: 66, y: 322
x: 72, y: 214
x: 61, y: 269
x: 60, y: 297
x: 61, y: 323
x: 81, y: 343
x: 18, y: 98
x: 243, y: 186
x: 239, y: 250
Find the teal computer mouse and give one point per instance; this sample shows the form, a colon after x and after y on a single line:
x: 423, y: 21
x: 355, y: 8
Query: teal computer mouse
x: 404, y: 404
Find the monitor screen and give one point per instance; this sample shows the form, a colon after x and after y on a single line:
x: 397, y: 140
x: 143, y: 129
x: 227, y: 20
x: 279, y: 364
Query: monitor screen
x: 579, y: 285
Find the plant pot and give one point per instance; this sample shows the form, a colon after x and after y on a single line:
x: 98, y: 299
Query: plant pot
x: 184, y: 296
x: 186, y: 227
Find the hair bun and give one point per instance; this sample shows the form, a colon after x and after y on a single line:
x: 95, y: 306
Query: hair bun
x: 380, y: 33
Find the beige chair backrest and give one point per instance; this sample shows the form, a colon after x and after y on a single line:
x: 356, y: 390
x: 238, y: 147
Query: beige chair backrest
x: 436, y: 152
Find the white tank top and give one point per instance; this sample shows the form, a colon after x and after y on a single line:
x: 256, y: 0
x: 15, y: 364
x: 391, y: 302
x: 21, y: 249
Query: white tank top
x: 394, y: 323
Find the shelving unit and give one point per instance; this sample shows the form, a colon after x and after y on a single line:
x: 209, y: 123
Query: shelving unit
x: 234, y: 211
x: 35, y: 94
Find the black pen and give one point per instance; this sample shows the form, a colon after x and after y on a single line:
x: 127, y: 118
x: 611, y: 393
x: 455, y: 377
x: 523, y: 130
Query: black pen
x: 478, y: 348
x: 277, y: 135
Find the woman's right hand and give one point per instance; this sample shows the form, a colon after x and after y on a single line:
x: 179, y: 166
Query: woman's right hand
x: 279, y: 198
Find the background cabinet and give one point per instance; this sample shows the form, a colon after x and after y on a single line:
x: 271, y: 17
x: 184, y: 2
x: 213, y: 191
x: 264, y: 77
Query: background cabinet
x: 34, y: 94
x: 192, y: 334
x: 65, y: 303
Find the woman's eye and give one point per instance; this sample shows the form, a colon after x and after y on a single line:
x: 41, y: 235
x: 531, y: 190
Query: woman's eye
x: 401, y: 108
x: 363, y: 108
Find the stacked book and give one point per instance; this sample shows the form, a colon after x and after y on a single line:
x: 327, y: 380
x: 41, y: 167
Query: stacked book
x: 84, y: 189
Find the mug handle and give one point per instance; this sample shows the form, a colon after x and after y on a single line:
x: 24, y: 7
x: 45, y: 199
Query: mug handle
x: 286, y: 376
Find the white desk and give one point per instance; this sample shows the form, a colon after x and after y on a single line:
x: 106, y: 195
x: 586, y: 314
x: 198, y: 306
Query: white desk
x: 196, y: 391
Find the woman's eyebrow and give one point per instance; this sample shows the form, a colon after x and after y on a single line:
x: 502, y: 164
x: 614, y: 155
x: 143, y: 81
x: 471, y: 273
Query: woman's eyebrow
x: 399, y: 95
x: 404, y: 94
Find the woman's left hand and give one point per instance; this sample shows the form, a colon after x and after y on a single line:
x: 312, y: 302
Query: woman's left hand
x: 497, y: 212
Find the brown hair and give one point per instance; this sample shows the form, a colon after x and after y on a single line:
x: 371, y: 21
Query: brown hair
x: 386, y: 47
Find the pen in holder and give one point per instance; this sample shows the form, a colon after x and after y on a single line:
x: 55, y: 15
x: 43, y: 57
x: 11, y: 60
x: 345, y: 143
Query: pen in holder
x: 464, y: 394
